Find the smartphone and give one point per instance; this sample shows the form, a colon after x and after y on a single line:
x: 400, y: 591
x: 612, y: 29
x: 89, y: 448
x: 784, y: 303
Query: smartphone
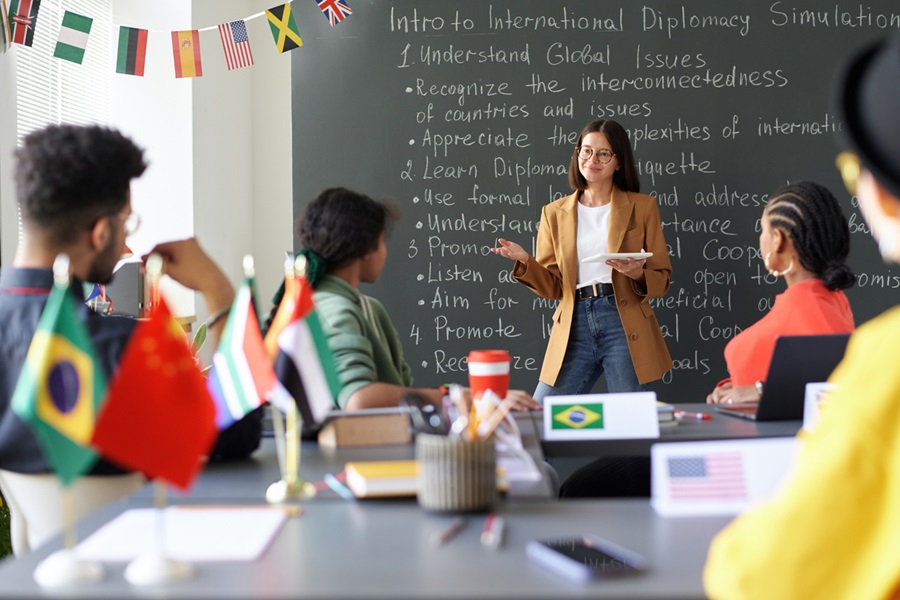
x: 585, y: 558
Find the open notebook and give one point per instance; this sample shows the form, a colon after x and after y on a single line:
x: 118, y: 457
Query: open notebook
x: 796, y: 361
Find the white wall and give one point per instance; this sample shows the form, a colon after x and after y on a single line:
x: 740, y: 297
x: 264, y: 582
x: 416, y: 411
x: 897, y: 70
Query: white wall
x: 219, y: 146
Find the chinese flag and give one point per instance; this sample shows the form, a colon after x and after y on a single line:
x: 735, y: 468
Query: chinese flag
x: 159, y: 417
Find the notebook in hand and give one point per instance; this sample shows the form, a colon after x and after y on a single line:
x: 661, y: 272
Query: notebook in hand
x: 796, y: 361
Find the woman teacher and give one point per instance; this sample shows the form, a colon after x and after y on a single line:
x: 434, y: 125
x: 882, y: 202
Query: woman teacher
x: 604, y: 322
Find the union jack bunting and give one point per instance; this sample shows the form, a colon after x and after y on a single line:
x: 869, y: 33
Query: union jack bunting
x: 334, y: 10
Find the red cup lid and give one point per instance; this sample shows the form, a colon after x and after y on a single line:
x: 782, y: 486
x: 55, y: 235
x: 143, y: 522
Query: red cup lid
x: 489, y: 356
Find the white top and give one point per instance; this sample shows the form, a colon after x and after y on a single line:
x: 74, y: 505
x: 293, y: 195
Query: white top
x: 592, y: 239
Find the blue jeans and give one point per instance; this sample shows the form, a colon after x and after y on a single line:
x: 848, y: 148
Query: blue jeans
x: 597, y: 345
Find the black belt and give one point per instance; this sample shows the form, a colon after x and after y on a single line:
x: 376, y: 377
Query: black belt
x: 597, y: 290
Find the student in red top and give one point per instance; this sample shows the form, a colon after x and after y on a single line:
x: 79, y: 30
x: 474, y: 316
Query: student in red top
x: 805, y: 239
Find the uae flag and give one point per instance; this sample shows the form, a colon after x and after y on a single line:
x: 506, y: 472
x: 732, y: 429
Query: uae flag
x: 132, y: 51
x: 23, y: 16
x: 304, y: 365
x: 241, y: 377
x: 73, y: 37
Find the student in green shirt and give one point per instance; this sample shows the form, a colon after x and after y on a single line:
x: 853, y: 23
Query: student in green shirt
x: 342, y: 235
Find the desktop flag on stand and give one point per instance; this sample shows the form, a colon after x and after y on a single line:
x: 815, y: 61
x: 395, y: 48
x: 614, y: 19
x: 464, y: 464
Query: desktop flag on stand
x: 241, y: 376
x: 236, y: 44
x: 73, y: 37
x: 23, y: 16
x: 61, y: 388
x: 159, y: 417
x: 304, y: 365
x: 283, y: 315
x: 186, y: 50
x: 284, y: 28
x: 5, y: 38
x: 132, y: 52
x: 334, y: 10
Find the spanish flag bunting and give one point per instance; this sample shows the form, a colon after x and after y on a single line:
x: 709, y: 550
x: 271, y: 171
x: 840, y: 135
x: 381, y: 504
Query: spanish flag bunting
x: 186, y: 50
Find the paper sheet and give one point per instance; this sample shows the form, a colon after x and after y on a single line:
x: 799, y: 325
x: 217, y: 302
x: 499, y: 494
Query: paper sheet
x: 191, y: 534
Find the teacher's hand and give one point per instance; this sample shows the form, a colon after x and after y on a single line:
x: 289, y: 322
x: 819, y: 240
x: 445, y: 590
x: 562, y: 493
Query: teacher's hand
x: 629, y: 267
x: 511, y: 250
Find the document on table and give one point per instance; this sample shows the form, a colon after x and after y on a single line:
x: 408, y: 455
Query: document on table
x: 191, y: 534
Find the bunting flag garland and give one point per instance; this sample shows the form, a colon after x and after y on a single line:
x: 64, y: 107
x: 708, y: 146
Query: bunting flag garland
x: 241, y: 377
x: 22, y: 20
x: 284, y: 28
x: 5, y: 40
x: 73, y: 37
x: 132, y: 51
x: 159, y: 417
x: 61, y: 387
x: 334, y: 10
x: 186, y: 50
x: 236, y: 44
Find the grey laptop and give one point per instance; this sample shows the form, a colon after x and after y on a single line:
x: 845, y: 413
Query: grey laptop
x: 796, y: 361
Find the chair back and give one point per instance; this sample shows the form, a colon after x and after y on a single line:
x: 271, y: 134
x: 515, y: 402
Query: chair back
x: 36, y: 505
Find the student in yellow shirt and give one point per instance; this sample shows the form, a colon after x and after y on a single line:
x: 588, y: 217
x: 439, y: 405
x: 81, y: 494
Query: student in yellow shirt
x: 834, y: 529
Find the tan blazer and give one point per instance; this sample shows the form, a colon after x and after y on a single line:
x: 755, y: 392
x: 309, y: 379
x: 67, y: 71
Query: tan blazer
x: 634, y: 224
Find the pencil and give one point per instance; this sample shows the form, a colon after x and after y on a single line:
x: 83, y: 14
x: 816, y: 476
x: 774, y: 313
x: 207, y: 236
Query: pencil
x: 492, y: 534
x: 445, y: 535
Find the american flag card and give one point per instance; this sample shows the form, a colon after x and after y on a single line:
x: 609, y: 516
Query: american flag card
x: 334, y: 10
x: 719, y: 477
x: 236, y: 44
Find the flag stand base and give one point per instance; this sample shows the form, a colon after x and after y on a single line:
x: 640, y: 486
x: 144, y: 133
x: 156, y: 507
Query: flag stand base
x: 153, y: 568
x: 281, y: 491
x: 64, y: 568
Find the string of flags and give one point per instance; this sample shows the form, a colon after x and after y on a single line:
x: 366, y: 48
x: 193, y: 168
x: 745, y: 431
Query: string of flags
x: 18, y: 21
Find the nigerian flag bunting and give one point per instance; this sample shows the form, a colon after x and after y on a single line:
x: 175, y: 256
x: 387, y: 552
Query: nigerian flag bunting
x: 61, y: 388
x: 73, y: 37
x: 241, y: 377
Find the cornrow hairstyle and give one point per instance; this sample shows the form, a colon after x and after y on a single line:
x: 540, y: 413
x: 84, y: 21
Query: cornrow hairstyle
x: 810, y: 214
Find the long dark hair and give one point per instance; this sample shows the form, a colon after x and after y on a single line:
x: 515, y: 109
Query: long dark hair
x: 626, y: 178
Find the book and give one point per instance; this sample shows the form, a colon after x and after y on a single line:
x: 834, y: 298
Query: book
x: 665, y: 412
x: 380, y: 479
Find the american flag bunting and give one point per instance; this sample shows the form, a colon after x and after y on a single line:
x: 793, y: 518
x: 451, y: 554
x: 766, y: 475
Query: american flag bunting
x: 236, y: 44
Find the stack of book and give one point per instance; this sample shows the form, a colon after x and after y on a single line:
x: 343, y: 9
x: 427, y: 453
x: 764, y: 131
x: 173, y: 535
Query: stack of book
x: 666, y: 413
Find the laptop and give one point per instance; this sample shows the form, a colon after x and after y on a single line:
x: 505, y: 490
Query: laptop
x: 796, y: 361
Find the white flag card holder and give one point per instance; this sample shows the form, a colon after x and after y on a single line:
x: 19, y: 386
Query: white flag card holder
x: 723, y: 477
x: 601, y: 416
x: 814, y: 399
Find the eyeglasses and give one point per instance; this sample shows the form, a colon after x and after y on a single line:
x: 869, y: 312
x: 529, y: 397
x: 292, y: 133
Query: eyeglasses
x: 848, y: 164
x: 604, y: 156
x: 132, y: 221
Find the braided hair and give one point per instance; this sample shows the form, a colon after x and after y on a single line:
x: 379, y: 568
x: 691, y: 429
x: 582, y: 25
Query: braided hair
x: 810, y: 214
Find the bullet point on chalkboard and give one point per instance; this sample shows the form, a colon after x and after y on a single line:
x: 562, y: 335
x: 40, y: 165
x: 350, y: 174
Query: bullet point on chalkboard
x: 409, y: 90
x: 419, y: 225
x: 411, y: 142
x: 424, y: 363
x: 421, y: 302
x: 420, y: 277
x: 415, y: 200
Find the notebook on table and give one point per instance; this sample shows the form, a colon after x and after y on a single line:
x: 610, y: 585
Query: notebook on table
x: 796, y: 361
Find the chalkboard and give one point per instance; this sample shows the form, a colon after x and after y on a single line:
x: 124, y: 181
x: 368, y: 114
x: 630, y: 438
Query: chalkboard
x: 465, y: 113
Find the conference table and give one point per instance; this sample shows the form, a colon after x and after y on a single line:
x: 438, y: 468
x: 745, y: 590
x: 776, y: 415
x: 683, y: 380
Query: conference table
x: 337, y: 548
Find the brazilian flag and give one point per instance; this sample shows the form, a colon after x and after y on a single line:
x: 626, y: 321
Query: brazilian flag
x: 61, y: 388
x: 577, y: 416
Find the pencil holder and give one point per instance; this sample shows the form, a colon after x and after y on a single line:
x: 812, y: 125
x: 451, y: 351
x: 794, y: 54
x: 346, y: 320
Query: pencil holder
x: 456, y: 475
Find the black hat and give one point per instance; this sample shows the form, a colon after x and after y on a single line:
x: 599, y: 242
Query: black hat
x: 869, y: 103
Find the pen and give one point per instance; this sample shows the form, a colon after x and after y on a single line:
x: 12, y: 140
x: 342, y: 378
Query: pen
x: 445, y: 535
x: 492, y: 534
x: 683, y: 414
